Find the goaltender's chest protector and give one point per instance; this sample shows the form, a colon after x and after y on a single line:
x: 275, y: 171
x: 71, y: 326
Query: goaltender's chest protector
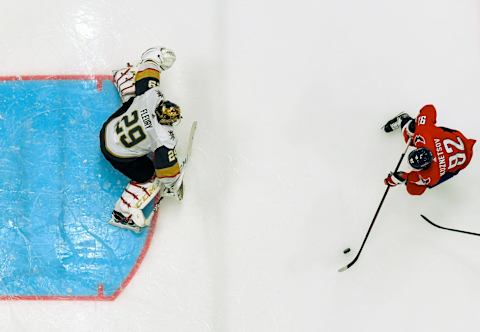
x: 136, y: 132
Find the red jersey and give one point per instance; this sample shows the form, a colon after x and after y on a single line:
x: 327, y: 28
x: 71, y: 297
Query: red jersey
x: 451, y: 151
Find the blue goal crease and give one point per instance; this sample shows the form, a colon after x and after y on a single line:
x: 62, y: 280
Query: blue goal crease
x: 57, y: 192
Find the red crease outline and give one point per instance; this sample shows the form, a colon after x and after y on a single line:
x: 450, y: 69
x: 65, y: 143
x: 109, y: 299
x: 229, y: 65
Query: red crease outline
x: 98, y: 78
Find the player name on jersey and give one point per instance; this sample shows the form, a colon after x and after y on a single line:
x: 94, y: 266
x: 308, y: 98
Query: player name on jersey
x: 146, y: 118
x: 441, y: 157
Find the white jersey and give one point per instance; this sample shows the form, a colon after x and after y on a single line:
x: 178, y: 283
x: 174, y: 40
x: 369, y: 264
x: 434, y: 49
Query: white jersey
x: 136, y: 131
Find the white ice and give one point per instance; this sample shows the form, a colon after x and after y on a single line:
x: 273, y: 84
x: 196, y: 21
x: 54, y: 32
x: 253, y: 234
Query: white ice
x: 288, y: 162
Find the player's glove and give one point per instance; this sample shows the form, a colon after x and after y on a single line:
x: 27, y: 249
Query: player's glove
x: 164, y: 57
x: 395, y: 178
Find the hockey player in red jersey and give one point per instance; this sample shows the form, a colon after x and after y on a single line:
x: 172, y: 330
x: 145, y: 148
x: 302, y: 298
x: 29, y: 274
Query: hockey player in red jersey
x: 440, y: 153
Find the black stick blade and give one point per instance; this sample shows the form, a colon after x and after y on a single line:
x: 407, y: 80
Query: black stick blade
x: 446, y: 228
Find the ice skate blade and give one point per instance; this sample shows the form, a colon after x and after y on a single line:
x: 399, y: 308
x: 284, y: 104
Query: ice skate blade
x: 135, y: 229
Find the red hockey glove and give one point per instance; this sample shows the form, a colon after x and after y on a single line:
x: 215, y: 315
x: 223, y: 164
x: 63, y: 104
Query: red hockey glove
x: 395, y: 178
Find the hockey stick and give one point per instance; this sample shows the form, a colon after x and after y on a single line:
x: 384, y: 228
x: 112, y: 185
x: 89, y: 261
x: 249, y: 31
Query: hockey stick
x: 193, y: 129
x: 346, y: 267
x: 191, y: 136
x: 448, y: 229
x: 183, y: 164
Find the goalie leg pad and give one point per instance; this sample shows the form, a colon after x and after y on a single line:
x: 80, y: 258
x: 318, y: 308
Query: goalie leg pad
x: 128, y: 209
x: 138, y: 195
x: 124, y: 81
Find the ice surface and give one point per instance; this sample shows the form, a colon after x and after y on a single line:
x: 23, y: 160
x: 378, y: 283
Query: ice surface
x: 288, y: 162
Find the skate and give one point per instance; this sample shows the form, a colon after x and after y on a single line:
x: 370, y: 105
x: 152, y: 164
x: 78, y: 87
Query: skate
x: 119, y: 220
x: 395, y: 123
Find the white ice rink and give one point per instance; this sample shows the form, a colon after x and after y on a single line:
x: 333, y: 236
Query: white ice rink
x: 288, y: 164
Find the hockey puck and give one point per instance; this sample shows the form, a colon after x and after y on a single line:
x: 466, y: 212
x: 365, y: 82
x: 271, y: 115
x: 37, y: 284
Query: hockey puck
x: 346, y: 251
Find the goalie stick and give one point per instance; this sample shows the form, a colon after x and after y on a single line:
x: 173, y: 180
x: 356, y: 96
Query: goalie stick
x: 448, y: 229
x: 183, y: 165
x: 177, y: 189
x: 346, y: 267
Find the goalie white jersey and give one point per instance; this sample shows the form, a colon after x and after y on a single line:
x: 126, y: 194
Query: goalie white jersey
x: 134, y: 131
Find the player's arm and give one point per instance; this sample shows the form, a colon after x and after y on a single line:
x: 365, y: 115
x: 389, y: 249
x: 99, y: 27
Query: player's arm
x: 166, y: 164
x: 417, y: 182
x: 412, y: 180
x: 133, y: 81
x: 395, y: 178
x: 147, y: 76
x: 154, y: 60
x: 415, y: 189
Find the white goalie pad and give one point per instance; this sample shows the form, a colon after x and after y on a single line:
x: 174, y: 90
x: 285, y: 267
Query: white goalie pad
x: 124, y: 81
x: 135, y: 198
x: 124, y: 78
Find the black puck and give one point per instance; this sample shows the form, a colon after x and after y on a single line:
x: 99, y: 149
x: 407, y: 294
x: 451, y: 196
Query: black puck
x: 346, y: 251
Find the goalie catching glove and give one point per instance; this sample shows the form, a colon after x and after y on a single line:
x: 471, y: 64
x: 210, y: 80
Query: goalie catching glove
x: 162, y: 56
x: 155, y: 59
x: 395, y: 178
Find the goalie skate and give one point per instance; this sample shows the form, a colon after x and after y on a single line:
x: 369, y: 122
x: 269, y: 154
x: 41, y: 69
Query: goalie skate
x: 119, y: 220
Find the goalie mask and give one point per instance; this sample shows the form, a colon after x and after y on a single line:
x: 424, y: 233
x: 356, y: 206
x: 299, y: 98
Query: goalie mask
x: 168, y: 113
x: 420, y: 158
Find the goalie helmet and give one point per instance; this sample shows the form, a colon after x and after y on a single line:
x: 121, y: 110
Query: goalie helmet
x: 420, y: 158
x: 164, y: 57
x: 168, y: 113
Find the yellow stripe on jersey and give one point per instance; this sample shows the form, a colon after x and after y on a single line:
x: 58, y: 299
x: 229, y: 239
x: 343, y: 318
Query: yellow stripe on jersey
x: 147, y: 73
x: 169, y: 172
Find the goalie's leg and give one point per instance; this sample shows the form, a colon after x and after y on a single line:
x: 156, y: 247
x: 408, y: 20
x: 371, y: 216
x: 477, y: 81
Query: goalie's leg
x: 128, y: 209
x: 124, y: 81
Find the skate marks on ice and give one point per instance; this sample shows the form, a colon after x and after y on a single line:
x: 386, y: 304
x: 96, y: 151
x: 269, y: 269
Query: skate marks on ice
x: 56, y: 192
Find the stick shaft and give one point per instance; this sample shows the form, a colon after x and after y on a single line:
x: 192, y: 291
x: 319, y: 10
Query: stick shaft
x: 376, y: 214
x: 448, y: 229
